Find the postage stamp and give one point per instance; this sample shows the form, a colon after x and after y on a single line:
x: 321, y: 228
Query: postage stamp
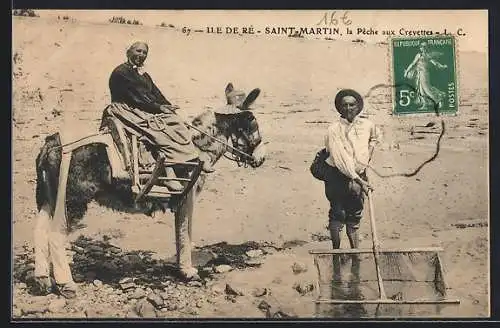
x: 424, y: 75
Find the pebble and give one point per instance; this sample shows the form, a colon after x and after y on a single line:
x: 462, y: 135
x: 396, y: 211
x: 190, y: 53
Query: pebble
x: 97, y: 283
x: 137, y: 293
x: 299, y: 267
x: 303, y: 287
x: 127, y: 286
x: 230, y: 290
x: 170, y: 307
x: 254, y: 253
x: 259, y: 292
x: 223, y: 268
x: 21, y: 285
x: 195, y: 283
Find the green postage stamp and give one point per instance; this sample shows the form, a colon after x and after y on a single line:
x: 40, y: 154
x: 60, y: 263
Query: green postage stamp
x: 424, y: 75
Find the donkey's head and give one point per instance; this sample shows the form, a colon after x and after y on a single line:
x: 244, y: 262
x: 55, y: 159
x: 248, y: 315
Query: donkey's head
x: 244, y: 129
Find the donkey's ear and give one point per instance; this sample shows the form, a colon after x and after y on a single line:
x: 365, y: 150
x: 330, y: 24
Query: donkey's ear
x: 229, y: 88
x: 250, y: 99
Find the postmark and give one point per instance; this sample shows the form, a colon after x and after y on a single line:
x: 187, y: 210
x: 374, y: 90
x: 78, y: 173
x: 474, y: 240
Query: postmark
x: 424, y: 74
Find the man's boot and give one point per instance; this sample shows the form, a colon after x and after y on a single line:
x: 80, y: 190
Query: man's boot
x: 173, y: 185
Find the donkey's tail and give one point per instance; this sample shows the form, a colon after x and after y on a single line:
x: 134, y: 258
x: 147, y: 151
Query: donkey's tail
x: 47, y: 172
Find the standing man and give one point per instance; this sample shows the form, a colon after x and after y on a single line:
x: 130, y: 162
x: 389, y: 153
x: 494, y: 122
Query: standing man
x: 137, y: 99
x: 350, y: 143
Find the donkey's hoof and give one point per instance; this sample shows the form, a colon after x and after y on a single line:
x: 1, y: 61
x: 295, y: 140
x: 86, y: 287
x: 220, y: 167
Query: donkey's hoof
x: 190, y: 273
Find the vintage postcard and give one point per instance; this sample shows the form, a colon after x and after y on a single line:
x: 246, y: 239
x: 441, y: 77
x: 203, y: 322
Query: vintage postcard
x: 250, y: 164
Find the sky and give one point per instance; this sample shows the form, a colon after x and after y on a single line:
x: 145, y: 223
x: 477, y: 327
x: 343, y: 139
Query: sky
x: 474, y: 23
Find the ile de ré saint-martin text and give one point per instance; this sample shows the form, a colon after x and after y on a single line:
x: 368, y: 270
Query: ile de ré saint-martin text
x: 332, y: 23
x: 329, y: 31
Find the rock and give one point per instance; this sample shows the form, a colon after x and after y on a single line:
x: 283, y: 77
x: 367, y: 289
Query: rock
x: 223, y: 268
x: 78, y: 277
x: 259, y: 292
x: 207, y: 270
x: 145, y: 309
x: 57, y: 305
x: 263, y: 305
x: 97, y: 283
x: 21, y: 285
x: 199, y: 304
x: 230, y: 290
x: 195, y: 283
x: 137, y: 293
x: 114, y: 249
x: 16, y: 312
x: 303, y: 287
x: 231, y: 298
x: 27, y: 309
x: 156, y: 300
x: 126, y: 280
x: 172, y: 306
x: 254, y: 253
x: 254, y: 262
x: 299, y: 267
x: 78, y: 249
x: 126, y: 283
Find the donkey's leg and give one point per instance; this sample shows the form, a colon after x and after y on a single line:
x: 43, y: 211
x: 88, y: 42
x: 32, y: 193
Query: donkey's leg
x: 183, y: 238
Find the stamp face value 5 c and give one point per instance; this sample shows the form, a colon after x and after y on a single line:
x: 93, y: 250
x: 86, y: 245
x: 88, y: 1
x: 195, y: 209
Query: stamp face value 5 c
x: 424, y: 75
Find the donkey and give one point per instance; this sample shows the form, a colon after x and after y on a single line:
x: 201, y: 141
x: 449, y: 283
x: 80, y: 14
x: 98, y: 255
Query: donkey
x: 90, y: 177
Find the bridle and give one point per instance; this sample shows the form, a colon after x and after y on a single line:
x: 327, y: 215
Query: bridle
x: 252, y: 140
